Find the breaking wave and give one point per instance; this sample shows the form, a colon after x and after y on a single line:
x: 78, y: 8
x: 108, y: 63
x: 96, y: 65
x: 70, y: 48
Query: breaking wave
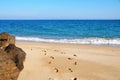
x: 94, y: 41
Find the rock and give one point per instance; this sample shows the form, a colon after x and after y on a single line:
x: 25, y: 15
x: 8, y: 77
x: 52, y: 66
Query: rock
x: 11, y: 40
x: 3, y: 40
x: 16, y: 54
x: 8, y: 69
x: 11, y: 58
x: 6, y: 39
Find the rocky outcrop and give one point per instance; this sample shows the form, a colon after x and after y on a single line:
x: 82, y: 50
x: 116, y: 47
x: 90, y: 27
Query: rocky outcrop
x: 11, y: 58
x: 8, y: 69
x: 16, y: 54
x: 6, y: 39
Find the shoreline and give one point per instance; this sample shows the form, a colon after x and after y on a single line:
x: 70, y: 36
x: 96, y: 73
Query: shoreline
x: 89, y: 40
x: 99, y: 45
x: 49, y: 61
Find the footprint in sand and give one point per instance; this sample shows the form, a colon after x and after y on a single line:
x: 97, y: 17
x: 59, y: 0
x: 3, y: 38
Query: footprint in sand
x: 45, y: 54
x: 50, y: 79
x: 44, y: 51
x: 56, y: 50
x: 69, y: 58
x: 62, y: 52
x: 51, y: 57
x: 49, y: 62
x: 70, y: 69
x: 75, y: 55
x: 56, y: 70
x: 73, y: 78
x: 75, y: 63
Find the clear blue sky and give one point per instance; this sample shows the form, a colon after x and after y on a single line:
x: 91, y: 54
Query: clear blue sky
x: 59, y: 9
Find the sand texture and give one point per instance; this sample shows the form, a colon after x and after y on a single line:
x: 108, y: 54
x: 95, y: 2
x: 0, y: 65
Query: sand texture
x: 69, y: 62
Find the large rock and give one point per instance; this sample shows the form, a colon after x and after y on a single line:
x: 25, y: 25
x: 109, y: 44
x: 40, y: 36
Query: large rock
x: 8, y: 69
x: 16, y: 54
x: 6, y: 39
x: 11, y: 58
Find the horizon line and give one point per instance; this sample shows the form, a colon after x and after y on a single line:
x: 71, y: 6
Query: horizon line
x: 59, y: 19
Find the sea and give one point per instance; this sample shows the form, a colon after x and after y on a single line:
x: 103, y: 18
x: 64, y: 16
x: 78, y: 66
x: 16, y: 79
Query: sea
x: 94, y: 32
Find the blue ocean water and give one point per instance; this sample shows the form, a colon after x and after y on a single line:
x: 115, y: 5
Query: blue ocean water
x: 64, y: 31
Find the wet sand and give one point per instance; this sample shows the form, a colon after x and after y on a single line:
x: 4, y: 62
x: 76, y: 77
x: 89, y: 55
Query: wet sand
x: 46, y: 61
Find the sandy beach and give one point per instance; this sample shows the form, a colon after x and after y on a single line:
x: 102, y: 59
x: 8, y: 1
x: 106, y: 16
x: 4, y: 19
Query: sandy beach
x: 47, y: 61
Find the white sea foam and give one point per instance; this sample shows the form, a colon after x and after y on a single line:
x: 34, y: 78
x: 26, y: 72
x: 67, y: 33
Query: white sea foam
x: 94, y: 41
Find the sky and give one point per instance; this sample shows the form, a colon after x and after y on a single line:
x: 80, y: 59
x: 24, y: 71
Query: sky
x: 59, y: 9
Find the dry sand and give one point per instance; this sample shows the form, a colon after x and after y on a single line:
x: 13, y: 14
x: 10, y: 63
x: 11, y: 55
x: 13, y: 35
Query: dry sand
x: 69, y: 62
